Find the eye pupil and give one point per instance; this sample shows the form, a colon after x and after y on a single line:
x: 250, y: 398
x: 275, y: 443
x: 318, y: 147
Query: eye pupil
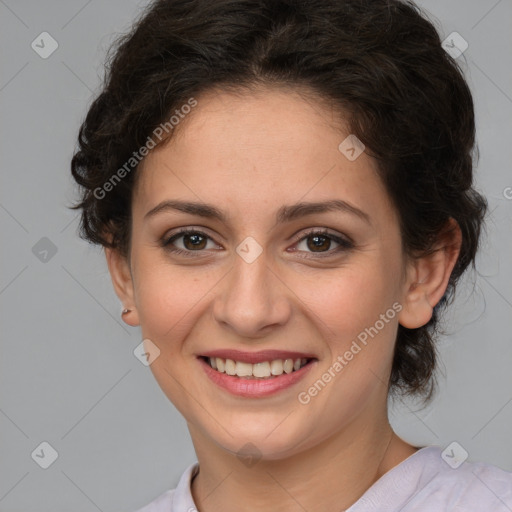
x: 315, y: 245
x: 195, y: 239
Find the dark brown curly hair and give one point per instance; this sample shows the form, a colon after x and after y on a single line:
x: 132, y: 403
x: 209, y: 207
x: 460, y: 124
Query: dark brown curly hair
x: 380, y: 61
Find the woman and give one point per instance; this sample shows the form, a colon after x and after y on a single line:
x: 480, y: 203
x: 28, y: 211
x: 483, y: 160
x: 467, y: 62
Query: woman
x: 284, y: 193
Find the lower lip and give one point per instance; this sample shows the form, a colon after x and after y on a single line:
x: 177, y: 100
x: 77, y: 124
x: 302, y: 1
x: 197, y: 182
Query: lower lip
x: 255, y: 388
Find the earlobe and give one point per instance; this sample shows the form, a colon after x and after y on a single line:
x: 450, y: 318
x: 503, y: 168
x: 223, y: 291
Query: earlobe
x: 428, y: 278
x: 416, y: 312
x: 122, y: 282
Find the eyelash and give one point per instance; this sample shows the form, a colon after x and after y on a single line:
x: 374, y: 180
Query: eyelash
x: 344, y: 243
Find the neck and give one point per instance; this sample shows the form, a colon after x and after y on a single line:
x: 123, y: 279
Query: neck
x: 332, y: 475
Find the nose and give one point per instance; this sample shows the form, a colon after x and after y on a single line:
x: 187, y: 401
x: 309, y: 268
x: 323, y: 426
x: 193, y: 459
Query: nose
x: 252, y: 298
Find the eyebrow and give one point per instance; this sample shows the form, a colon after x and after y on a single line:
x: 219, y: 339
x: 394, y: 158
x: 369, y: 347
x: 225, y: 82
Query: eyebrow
x: 286, y: 213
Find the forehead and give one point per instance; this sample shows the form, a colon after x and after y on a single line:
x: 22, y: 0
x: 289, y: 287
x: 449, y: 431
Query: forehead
x: 256, y: 150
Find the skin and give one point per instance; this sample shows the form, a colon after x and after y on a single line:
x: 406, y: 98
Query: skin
x: 249, y: 154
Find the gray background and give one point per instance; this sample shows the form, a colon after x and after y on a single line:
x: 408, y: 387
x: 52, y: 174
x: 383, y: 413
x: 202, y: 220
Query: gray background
x: 68, y: 373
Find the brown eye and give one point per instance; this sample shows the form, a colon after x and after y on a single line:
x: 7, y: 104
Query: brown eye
x: 320, y: 242
x: 191, y: 241
x: 194, y: 241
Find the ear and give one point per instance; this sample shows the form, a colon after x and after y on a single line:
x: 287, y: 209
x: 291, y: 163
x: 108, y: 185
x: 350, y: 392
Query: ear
x: 121, y: 276
x: 428, y: 276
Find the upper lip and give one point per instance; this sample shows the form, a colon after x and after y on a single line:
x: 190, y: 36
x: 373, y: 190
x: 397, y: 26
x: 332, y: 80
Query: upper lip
x: 256, y: 357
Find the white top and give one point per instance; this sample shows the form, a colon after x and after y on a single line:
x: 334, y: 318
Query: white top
x: 423, y: 482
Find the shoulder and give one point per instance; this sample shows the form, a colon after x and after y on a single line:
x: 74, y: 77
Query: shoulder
x: 466, y: 486
x: 161, y: 504
x: 440, y: 480
x: 178, y: 499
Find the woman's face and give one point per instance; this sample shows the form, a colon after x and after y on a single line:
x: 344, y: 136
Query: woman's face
x: 257, y: 279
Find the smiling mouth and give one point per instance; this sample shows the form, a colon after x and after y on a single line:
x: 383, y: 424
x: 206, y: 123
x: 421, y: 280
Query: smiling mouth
x: 258, y: 371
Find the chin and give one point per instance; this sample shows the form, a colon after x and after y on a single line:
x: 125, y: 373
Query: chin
x: 261, y: 443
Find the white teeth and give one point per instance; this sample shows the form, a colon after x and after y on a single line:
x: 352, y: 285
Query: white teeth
x: 288, y: 366
x: 230, y: 367
x: 261, y: 370
x: 276, y: 367
x: 243, y: 369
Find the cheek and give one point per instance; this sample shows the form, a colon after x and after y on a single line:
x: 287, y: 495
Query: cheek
x: 352, y: 308
x: 169, y: 299
x: 349, y: 299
